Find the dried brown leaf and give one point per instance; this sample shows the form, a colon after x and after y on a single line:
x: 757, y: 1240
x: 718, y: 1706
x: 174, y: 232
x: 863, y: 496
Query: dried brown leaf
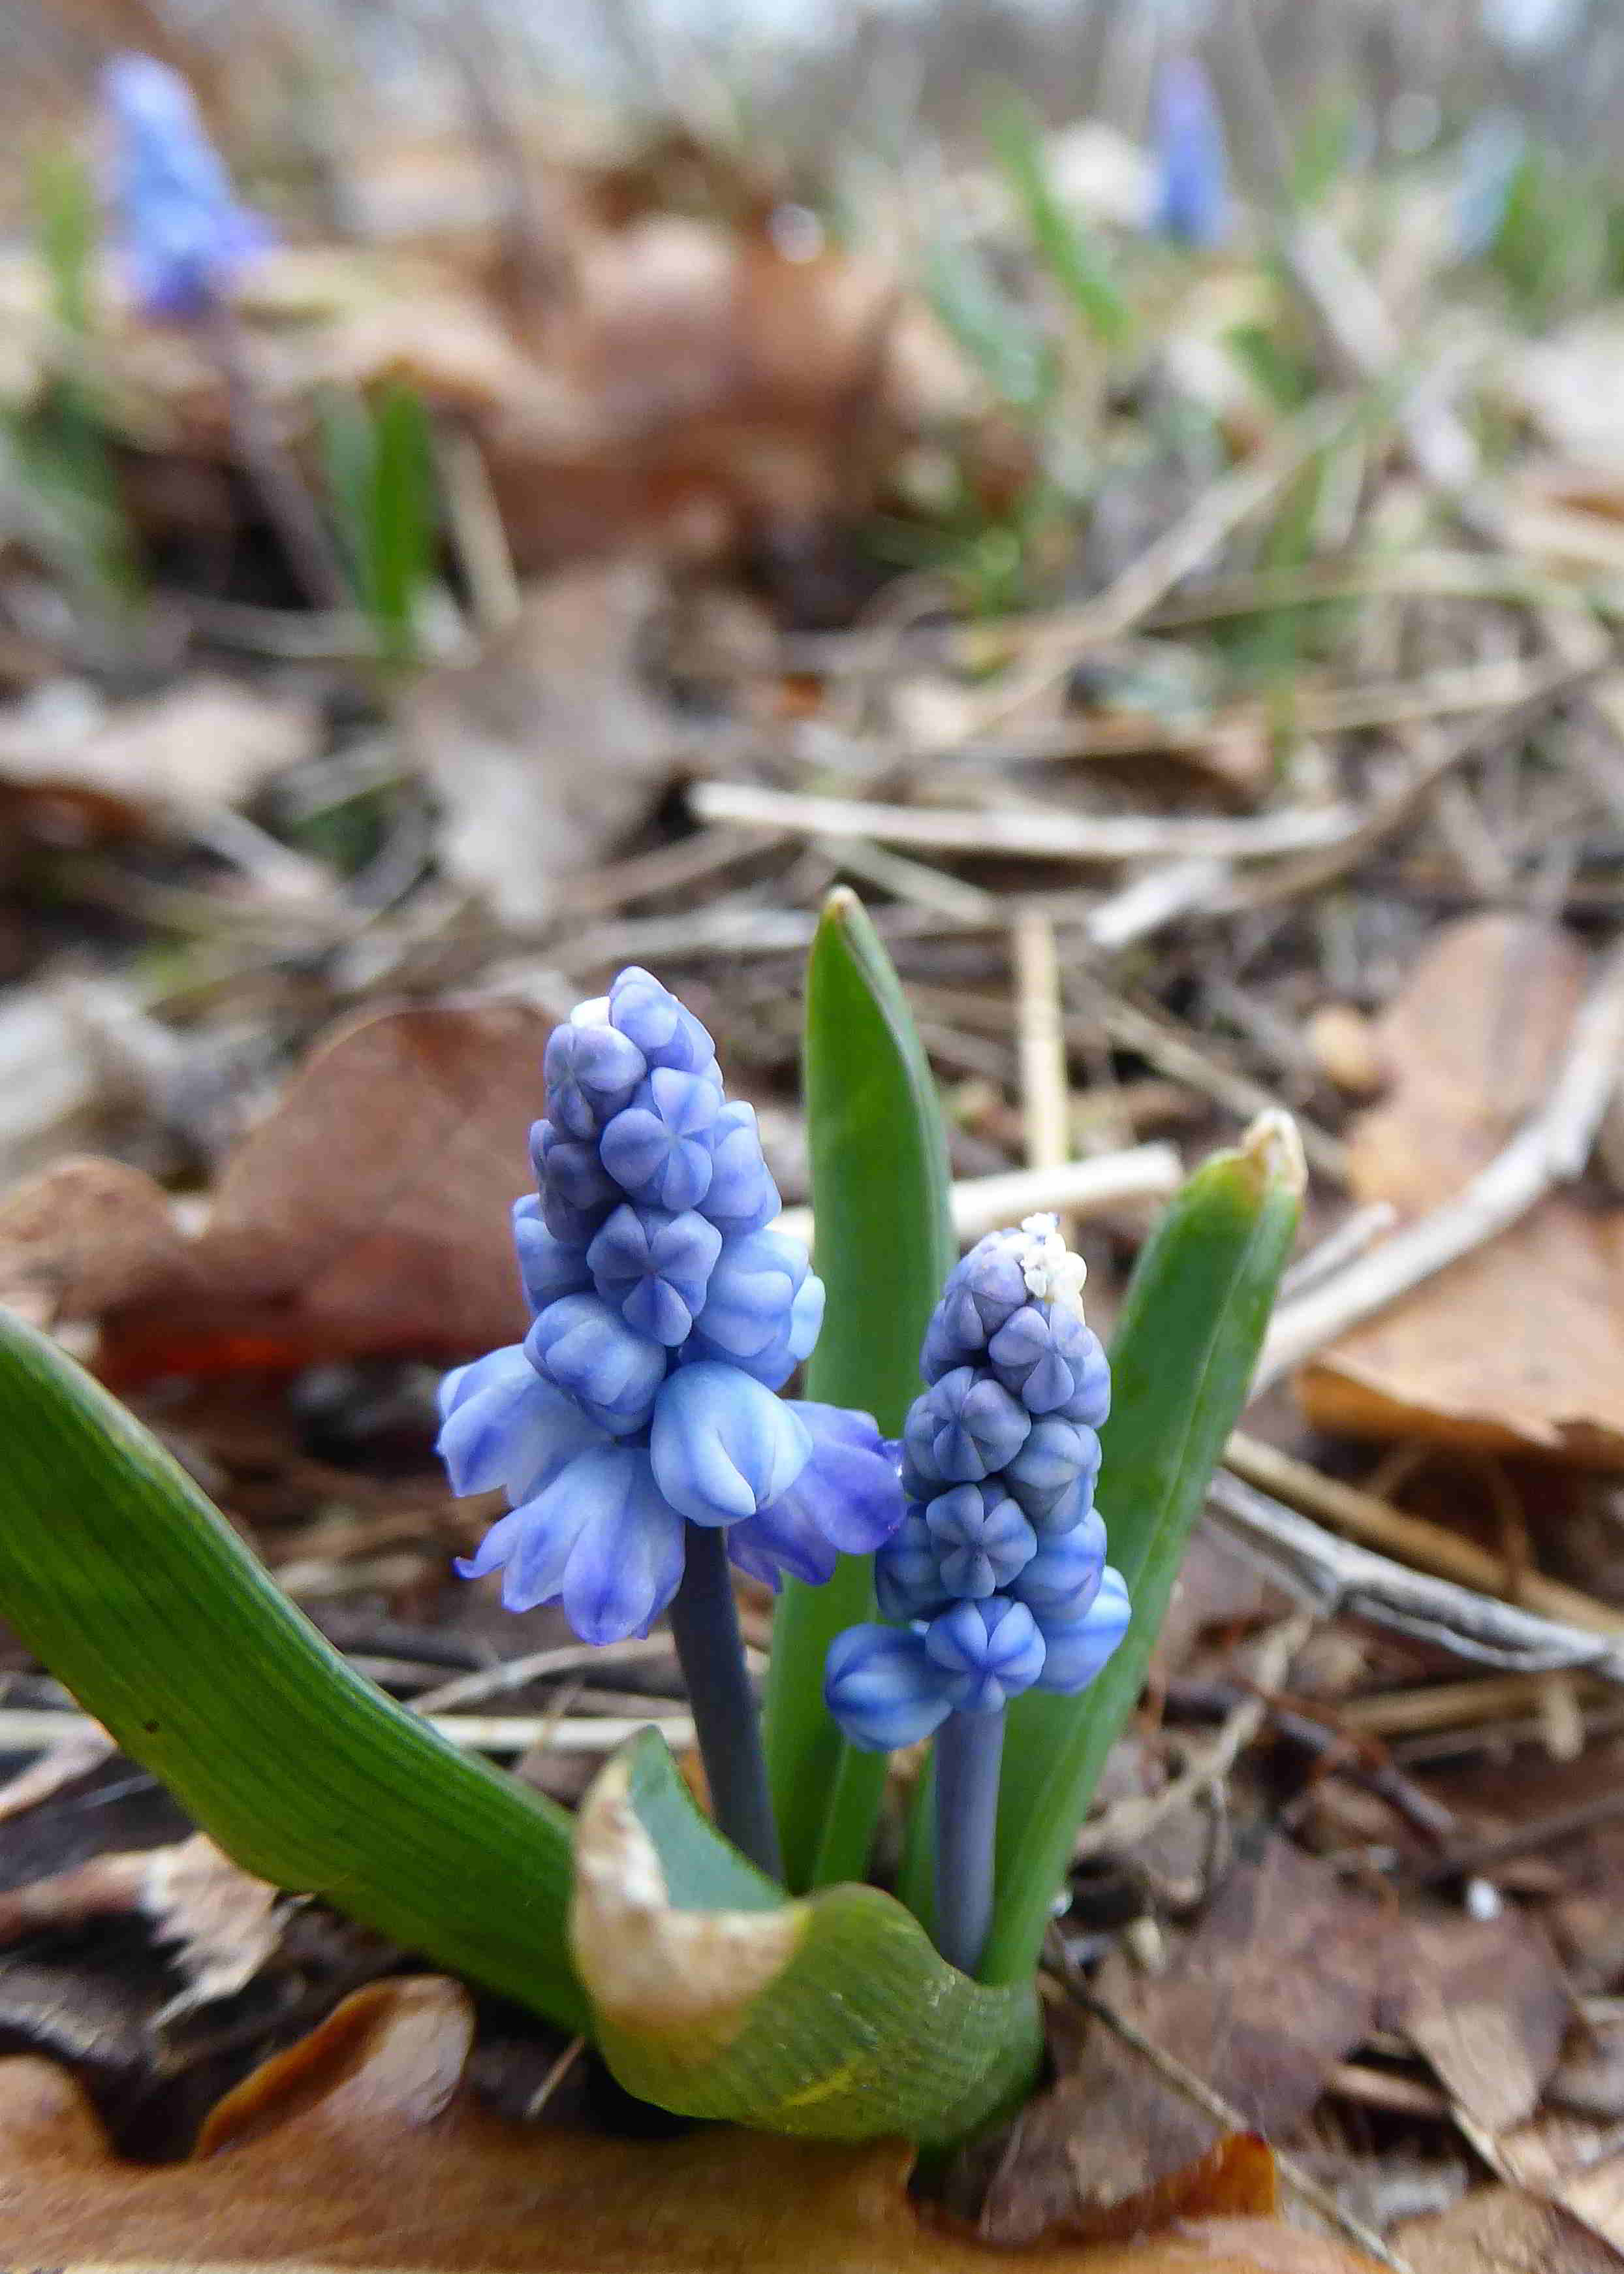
x: 1485, y: 2000
x: 226, y: 1925
x: 1279, y: 1983
x: 1499, y: 2231
x: 363, y: 2147
x: 550, y: 749
x: 367, y: 1213
x: 88, y: 1234
x: 1519, y: 1345
x: 205, y: 742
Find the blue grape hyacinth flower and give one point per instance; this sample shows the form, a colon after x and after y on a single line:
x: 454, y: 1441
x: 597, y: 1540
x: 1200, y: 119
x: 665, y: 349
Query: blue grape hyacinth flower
x: 182, y: 234
x: 1192, y: 183
x: 997, y: 1577
x: 665, y: 1317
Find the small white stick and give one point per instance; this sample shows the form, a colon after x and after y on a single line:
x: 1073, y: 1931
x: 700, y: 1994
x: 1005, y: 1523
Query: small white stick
x: 1031, y: 833
x: 23, y: 1730
x: 1143, y: 1172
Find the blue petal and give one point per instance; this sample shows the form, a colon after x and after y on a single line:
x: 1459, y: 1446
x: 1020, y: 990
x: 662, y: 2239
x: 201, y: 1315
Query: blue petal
x: 965, y: 1426
x: 743, y: 1196
x: 587, y: 1349
x: 481, y: 1405
x: 907, y: 1571
x: 1075, y: 1649
x: 723, y: 1446
x: 988, y: 1653
x: 751, y: 1293
x: 654, y: 1268
x: 659, y: 1149
x: 504, y: 1426
x: 883, y: 1689
x: 591, y: 1071
x: 981, y: 1539
x: 666, y: 1032
x: 847, y: 1500
x: 1061, y: 1578
x: 627, y: 1562
x: 599, y: 1540
x: 548, y: 1267
x: 1059, y: 1461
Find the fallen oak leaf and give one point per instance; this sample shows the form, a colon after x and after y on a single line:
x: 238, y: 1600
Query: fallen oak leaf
x: 1470, y: 1044
x: 363, y: 2147
x: 366, y: 1214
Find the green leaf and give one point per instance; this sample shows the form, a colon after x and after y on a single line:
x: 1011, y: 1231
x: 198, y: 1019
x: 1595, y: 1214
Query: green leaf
x: 131, y: 1586
x: 883, y: 1236
x: 1063, y: 244
x: 714, y: 1994
x: 1182, y: 1362
x: 380, y: 471
x: 402, y: 531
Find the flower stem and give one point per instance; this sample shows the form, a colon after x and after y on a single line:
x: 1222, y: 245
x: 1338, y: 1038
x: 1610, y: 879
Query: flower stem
x: 968, y: 1753
x: 704, y: 1625
x: 273, y: 467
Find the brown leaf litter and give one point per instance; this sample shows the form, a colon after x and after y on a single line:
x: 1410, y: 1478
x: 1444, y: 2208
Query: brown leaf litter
x: 224, y: 1924
x: 368, y: 1212
x: 363, y: 2146
x: 1518, y: 1346
x: 546, y: 751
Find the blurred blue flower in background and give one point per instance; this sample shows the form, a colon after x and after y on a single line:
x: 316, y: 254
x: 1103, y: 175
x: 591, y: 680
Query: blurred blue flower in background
x: 665, y: 1317
x: 182, y: 235
x: 1192, y: 186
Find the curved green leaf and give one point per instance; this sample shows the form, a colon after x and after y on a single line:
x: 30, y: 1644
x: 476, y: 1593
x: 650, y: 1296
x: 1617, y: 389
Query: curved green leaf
x: 714, y: 1994
x: 883, y: 1234
x: 1182, y: 1362
x: 131, y: 1586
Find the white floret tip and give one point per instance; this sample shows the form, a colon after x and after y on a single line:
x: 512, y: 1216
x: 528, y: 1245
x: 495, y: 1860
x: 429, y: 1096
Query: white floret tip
x: 1052, y: 1273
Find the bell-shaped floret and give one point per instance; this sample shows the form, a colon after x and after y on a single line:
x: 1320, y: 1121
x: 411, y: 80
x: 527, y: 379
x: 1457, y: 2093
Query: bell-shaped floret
x: 724, y: 1447
x: 907, y: 1571
x: 981, y: 1539
x: 666, y: 1032
x: 653, y: 1267
x: 502, y: 1426
x: 591, y: 1071
x: 751, y: 1316
x: 847, y: 1500
x: 988, y: 1653
x: 741, y: 1196
x: 1046, y: 1356
x: 966, y: 1427
x: 600, y: 1539
x: 1053, y: 1475
x: 548, y: 1267
x: 1062, y: 1577
x: 611, y: 1370
x: 1075, y: 1649
x: 659, y: 1149
x: 882, y: 1687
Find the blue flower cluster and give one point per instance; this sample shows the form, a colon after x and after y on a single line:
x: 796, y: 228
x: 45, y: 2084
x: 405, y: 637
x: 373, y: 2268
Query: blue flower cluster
x: 183, y: 234
x: 997, y: 1577
x: 1192, y: 175
x: 665, y: 1317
